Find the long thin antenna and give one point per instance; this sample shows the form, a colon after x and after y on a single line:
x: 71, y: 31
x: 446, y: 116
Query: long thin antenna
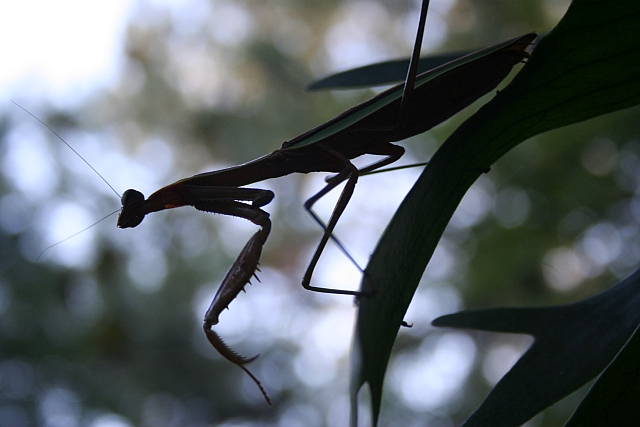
x: 72, y: 149
x: 75, y: 234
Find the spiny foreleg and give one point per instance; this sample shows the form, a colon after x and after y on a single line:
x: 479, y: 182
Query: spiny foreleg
x: 236, y: 279
x: 240, y: 273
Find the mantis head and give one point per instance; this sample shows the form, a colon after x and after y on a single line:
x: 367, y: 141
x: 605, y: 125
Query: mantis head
x: 131, y: 214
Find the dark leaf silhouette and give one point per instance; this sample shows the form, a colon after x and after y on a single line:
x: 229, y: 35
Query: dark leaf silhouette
x: 587, y: 66
x: 613, y: 400
x: 381, y: 73
x: 573, y: 344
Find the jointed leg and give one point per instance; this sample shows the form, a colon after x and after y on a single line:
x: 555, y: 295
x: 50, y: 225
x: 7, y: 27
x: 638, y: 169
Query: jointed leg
x: 349, y: 173
x: 245, y: 266
x: 216, y: 194
x: 238, y: 275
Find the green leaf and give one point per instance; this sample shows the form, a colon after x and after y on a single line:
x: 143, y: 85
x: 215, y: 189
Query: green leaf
x: 382, y: 73
x: 587, y: 66
x: 573, y: 343
x: 613, y: 399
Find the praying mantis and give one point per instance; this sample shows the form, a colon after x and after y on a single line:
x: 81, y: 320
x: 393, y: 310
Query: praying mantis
x: 413, y: 107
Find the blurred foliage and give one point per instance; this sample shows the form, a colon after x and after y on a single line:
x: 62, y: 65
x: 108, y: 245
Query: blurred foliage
x: 105, y: 329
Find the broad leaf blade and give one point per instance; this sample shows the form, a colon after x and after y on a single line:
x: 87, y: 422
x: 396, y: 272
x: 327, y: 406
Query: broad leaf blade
x: 573, y: 344
x: 613, y: 399
x: 587, y: 66
x: 381, y: 73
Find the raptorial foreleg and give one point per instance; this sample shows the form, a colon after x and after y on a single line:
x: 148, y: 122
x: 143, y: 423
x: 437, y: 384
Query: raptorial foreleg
x: 237, y: 277
x: 240, y: 273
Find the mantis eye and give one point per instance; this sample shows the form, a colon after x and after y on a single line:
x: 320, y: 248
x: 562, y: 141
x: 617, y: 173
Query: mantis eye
x: 131, y: 214
x: 131, y: 196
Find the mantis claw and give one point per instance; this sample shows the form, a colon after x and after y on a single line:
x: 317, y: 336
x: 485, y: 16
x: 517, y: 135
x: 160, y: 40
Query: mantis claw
x: 233, y: 357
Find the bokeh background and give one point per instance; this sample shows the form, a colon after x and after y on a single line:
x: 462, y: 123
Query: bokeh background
x: 104, y: 330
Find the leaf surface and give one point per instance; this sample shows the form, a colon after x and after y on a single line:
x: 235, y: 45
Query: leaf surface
x: 587, y: 66
x: 573, y: 344
x: 382, y: 73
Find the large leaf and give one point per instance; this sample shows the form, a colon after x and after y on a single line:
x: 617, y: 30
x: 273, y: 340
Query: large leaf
x: 587, y: 66
x: 382, y: 73
x: 613, y: 399
x: 573, y: 343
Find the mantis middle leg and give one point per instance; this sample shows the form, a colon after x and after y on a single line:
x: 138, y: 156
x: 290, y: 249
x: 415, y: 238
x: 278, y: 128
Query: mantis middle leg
x: 349, y: 173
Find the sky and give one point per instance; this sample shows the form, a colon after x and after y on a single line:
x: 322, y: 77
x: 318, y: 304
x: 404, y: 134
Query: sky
x: 59, y: 49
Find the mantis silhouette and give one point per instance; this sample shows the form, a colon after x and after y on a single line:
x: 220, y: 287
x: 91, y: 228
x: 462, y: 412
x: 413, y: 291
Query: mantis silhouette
x: 413, y: 107
x: 369, y: 128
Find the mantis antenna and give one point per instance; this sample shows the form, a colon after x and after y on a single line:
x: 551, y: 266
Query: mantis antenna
x: 75, y: 234
x: 88, y: 164
x: 70, y: 147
